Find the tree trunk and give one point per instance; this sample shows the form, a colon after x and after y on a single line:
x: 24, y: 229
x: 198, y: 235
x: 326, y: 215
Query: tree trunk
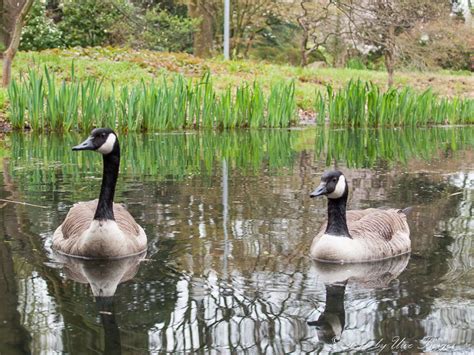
x: 389, y: 65
x: 339, y: 48
x: 4, y: 25
x: 304, y: 53
x: 204, y: 36
x: 390, y: 55
x: 249, y: 44
x: 9, y: 54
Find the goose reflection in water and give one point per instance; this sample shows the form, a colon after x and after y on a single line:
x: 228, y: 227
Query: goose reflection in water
x: 103, y: 276
x: 336, y: 277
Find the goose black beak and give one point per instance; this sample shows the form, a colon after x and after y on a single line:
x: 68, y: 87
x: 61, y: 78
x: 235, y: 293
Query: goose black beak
x: 320, y: 190
x: 86, y: 145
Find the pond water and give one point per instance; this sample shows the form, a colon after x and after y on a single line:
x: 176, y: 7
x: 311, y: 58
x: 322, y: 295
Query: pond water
x: 229, y: 223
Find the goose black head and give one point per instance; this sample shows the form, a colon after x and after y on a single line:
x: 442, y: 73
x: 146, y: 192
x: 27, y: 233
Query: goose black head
x: 102, y: 140
x: 333, y: 185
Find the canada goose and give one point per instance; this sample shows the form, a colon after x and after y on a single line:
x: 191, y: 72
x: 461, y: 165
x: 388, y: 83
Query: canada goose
x: 101, y: 228
x: 357, y: 236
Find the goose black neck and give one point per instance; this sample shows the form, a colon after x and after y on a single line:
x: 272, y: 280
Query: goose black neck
x: 335, y: 300
x: 105, y: 208
x: 337, y: 224
x: 113, y: 344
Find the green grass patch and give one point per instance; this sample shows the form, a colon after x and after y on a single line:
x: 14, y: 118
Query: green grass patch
x: 122, y: 66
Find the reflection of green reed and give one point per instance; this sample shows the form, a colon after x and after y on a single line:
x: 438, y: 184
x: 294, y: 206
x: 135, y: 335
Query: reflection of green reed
x: 365, y: 147
x: 159, y: 156
x: 361, y: 104
x: 44, y: 158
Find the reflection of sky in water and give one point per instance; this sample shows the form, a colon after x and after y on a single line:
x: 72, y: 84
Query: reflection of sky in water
x: 39, y: 314
x: 256, y: 292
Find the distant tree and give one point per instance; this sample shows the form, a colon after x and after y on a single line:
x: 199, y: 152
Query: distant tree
x: 204, y: 12
x: 17, y: 11
x: 167, y: 32
x: 248, y: 18
x: 315, y: 19
x: 377, y: 23
x: 464, y: 9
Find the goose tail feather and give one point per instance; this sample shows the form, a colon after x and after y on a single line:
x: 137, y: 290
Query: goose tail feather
x: 406, y: 211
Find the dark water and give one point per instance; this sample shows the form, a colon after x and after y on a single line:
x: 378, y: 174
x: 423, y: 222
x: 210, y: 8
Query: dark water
x: 229, y: 223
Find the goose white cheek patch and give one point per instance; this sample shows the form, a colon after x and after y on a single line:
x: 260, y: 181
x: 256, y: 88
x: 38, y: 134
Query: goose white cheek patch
x: 340, y: 187
x: 108, y: 146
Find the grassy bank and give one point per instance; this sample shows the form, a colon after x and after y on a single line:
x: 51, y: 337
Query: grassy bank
x: 41, y: 101
x: 122, y: 75
x: 124, y: 66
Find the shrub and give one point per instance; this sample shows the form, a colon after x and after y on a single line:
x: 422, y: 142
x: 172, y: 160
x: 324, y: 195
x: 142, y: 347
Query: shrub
x: 40, y: 32
x: 355, y: 63
x: 87, y: 23
x: 167, y: 32
x: 447, y: 44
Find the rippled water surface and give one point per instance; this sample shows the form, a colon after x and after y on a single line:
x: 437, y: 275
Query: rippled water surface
x: 229, y: 223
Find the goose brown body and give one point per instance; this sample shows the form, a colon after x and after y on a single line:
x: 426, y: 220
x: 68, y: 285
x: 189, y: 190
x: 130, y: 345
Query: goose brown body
x: 78, y: 235
x: 375, y: 235
x: 359, y: 235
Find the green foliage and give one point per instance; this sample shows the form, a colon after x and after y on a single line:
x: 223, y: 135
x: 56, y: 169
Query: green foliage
x: 97, y: 23
x: 17, y: 95
x: 355, y: 63
x: 88, y: 22
x: 167, y: 32
x: 167, y: 104
x: 3, y: 98
x: 279, y: 42
x: 40, y: 32
x: 362, y: 104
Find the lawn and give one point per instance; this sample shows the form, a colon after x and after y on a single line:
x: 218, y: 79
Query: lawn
x: 126, y: 66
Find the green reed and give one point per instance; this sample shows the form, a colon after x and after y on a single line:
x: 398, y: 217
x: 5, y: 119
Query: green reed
x: 167, y: 103
x: 361, y: 104
x: 18, y: 103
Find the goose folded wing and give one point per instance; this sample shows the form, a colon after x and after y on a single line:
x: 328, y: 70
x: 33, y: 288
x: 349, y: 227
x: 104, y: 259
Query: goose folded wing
x: 383, y: 224
x: 78, y: 219
x: 125, y: 220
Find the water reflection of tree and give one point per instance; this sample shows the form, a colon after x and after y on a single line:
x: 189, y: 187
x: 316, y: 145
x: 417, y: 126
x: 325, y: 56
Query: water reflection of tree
x: 14, y: 338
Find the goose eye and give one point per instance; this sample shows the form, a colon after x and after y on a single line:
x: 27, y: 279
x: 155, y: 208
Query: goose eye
x: 103, y: 135
x: 334, y: 180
